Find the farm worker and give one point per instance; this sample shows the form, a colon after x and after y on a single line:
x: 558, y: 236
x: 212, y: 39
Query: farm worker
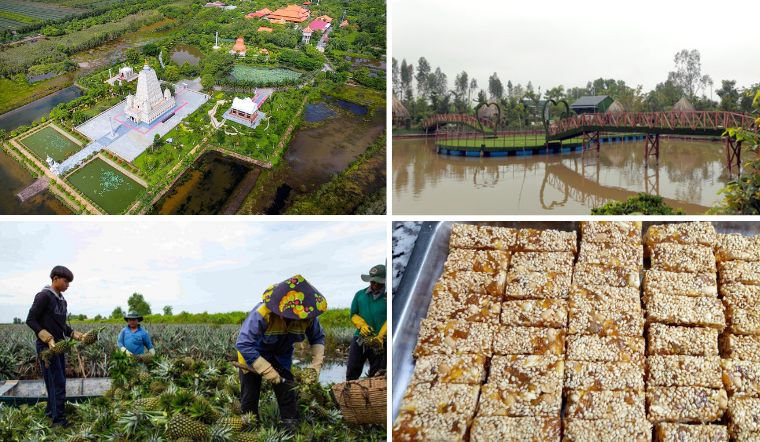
x: 47, y: 317
x: 368, y: 313
x: 133, y: 339
x: 288, y: 314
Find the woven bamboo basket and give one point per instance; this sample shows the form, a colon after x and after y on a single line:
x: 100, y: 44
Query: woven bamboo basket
x: 362, y: 401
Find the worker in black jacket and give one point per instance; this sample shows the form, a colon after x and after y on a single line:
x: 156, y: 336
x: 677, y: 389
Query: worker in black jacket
x: 47, y: 318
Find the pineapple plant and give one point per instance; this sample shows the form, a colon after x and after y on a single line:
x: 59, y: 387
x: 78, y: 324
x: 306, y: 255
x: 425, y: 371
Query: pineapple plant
x: 220, y: 433
x: 182, y: 426
x: 149, y: 403
x: 60, y: 347
x: 246, y: 437
x: 238, y: 423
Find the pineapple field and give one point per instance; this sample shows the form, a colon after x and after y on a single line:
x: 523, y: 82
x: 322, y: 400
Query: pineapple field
x: 18, y: 358
x: 189, y: 392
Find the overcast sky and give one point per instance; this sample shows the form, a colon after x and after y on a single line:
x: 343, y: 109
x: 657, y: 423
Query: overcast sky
x: 194, y: 266
x: 553, y: 42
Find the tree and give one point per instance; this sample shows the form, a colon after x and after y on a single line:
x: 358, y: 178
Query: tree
x: 117, y: 313
x: 167, y: 310
x: 495, y: 88
x: 729, y: 96
x: 17, y: 321
x: 422, y: 76
x: 461, y: 86
x: 555, y: 93
x: 437, y: 84
x: 396, y: 78
x: 407, y: 75
x: 688, y: 74
x: 137, y: 303
x: 133, y: 56
x: 473, y: 86
x: 171, y: 73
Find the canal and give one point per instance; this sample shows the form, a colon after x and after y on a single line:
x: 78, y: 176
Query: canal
x: 689, y: 176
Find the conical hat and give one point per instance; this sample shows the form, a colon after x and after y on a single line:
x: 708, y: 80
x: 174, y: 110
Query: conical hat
x: 295, y: 298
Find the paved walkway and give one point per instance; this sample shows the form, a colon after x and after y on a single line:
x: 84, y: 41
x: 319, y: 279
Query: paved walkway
x: 75, y: 160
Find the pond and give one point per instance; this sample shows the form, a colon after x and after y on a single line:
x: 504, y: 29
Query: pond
x: 211, y: 186
x: 109, y: 188
x: 14, y: 178
x: 316, y: 112
x: 37, y: 109
x: 183, y: 53
x: 356, y: 109
x: 49, y: 142
x: 314, y: 156
x: 689, y: 176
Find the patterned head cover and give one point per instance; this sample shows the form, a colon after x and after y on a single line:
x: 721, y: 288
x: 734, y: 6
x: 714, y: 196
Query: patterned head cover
x: 295, y: 298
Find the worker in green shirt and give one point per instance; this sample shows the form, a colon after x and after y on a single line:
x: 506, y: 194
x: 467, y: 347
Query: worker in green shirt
x: 368, y: 314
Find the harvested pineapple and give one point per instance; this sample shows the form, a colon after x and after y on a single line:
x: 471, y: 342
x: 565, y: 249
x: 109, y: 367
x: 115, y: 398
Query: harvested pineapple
x: 182, y: 426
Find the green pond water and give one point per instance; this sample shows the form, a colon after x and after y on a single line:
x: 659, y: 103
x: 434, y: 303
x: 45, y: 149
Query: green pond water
x: 50, y: 142
x: 109, y: 188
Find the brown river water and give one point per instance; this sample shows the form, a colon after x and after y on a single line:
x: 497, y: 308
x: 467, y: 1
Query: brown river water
x: 689, y: 176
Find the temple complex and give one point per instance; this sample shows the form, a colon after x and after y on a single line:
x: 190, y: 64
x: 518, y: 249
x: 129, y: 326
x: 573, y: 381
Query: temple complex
x: 290, y: 13
x: 149, y: 102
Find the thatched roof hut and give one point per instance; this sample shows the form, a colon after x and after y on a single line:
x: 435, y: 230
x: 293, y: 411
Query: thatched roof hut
x: 487, y: 112
x: 683, y: 105
x: 616, y: 107
x: 399, y: 110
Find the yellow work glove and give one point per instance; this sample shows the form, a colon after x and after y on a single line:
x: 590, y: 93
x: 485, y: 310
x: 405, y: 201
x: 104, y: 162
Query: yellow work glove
x: 317, y: 357
x: 46, y: 337
x: 77, y: 335
x: 124, y: 350
x: 361, y: 324
x: 265, y: 369
x: 378, y: 342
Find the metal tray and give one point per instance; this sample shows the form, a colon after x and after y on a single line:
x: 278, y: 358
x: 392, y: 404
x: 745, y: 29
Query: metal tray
x: 412, y: 299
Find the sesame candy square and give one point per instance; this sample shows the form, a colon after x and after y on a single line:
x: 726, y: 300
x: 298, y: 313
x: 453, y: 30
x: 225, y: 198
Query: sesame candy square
x: 670, y: 432
x: 454, y: 337
x: 605, y: 311
x: 537, y: 285
x: 612, y: 405
x: 533, y: 240
x: 607, y: 430
x: 743, y: 321
x: 684, y: 371
x: 739, y: 272
x: 488, y: 261
x: 472, y: 307
x: 686, y: 404
x: 423, y: 399
x: 692, y: 233
x: 450, y: 369
x: 681, y: 284
x: 584, y: 375
x: 543, y: 261
x: 505, y: 428
x: 744, y: 415
x: 472, y: 282
x: 674, y: 340
x: 589, y: 275
x: 528, y: 341
x: 740, y: 295
x: 551, y: 313
x: 741, y: 377
x: 692, y: 258
x: 737, y: 247
x: 530, y: 372
x: 745, y: 348
x: 686, y: 310
x: 612, y: 232
x: 606, y: 348
x: 613, y: 255
x: 468, y: 236
x: 414, y: 427
x: 498, y: 401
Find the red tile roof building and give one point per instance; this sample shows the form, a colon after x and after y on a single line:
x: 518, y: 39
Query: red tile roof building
x: 264, y: 29
x: 290, y: 13
x: 259, y: 14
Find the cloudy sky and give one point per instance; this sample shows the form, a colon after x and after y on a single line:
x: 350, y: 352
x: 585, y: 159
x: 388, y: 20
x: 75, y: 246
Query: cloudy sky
x: 552, y: 42
x: 213, y: 266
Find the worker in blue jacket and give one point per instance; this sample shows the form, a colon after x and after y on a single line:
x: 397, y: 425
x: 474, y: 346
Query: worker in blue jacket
x: 288, y: 314
x: 133, y: 339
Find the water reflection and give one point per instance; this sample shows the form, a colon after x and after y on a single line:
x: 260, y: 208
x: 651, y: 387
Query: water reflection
x: 689, y: 175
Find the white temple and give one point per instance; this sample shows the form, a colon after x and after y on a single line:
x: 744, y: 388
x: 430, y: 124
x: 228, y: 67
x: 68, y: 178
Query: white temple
x: 148, y: 103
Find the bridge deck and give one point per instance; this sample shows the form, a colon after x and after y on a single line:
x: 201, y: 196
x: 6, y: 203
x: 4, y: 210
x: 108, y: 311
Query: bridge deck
x: 33, y: 189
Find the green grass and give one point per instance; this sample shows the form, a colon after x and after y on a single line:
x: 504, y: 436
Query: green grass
x: 106, y: 186
x: 49, y: 142
x: 17, y: 17
x: 15, y: 94
x: 506, y: 142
